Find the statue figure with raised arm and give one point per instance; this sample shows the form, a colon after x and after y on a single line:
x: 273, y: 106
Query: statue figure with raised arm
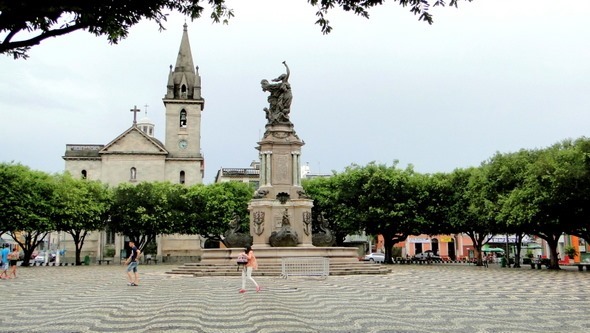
x: 280, y: 98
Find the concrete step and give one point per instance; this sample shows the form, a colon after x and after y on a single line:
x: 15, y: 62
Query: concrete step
x: 275, y: 269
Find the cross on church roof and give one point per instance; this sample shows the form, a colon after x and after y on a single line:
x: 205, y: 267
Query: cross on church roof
x: 135, y: 110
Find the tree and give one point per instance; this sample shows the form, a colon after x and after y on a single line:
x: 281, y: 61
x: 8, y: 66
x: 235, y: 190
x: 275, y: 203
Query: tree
x: 25, y: 207
x: 100, y: 17
x: 509, y: 172
x: 361, y: 7
x: 38, y: 21
x: 382, y: 200
x: 330, y: 201
x: 472, y: 212
x: 554, y: 197
x: 145, y: 210
x: 580, y: 186
x: 81, y: 206
x: 211, y: 208
x: 434, y: 199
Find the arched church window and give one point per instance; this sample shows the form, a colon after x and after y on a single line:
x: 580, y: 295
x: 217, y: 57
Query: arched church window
x: 133, y: 174
x: 182, y: 177
x: 183, y: 91
x: 84, y: 174
x: 183, y: 118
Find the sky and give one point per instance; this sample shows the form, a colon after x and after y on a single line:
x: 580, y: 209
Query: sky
x: 491, y: 76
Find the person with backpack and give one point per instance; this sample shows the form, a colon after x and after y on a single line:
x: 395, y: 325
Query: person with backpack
x: 248, y: 267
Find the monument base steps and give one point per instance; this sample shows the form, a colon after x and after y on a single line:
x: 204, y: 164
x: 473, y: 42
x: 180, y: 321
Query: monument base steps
x: 222, y: 262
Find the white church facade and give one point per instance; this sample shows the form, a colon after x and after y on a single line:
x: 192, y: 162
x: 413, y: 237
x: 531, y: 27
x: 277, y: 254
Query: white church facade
x: 136, y: 155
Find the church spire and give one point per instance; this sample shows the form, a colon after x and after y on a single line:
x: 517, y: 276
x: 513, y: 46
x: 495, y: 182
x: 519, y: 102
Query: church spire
x: 184, y: 82
x: 184, y: 61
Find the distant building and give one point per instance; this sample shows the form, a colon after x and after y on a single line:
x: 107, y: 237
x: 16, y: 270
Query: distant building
x: 136, y: 155
x: 306, y: 173
x: 249, y: 175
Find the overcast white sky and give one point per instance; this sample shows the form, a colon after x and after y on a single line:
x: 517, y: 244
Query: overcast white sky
x: 493, y: 75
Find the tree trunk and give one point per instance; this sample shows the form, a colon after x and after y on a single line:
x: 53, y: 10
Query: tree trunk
x: 76, y: 239
x: 553, y: 241
x: 518, y: 248
x: 29, y: 245
x: 389, y: 241
x: 477, y: 241
x: 79, y: 243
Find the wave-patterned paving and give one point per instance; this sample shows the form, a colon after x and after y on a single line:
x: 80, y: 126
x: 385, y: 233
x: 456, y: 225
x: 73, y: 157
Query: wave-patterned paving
x: 424, y: 298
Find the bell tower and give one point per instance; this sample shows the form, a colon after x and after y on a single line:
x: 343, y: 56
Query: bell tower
x: 184, y: 104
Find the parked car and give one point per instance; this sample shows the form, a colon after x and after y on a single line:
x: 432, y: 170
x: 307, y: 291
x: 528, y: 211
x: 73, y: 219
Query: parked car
x: 40, y: 258
x: 375, y: 257
x: 427, y: 255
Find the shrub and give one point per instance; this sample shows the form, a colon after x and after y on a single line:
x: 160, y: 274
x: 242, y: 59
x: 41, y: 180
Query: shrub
x: 570, y: 251
x: 109, y: 252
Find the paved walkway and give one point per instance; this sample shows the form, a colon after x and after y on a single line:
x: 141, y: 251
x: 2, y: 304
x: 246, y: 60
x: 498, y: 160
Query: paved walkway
x: 413, y: 298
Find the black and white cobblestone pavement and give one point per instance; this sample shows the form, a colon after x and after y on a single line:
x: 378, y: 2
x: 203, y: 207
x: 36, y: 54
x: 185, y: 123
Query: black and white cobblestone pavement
x: 413, y: 298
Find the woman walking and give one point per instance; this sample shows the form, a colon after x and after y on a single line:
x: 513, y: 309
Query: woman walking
x: 247, y: 270
x: 13, y: 259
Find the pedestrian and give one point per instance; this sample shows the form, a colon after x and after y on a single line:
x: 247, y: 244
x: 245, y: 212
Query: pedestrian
x: 131, y: 263
x: 5, y: 251
x: 247, y: 270
x: 485, y: 260
x: 13, y: 260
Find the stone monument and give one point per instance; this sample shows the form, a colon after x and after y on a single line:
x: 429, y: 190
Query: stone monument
x: 280, y: 212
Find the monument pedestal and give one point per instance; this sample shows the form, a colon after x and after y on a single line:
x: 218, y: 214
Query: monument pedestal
x: 268, y: 216
x: 280, y: 212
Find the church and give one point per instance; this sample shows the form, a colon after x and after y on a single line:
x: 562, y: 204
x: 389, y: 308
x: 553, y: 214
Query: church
x: 137, y: 156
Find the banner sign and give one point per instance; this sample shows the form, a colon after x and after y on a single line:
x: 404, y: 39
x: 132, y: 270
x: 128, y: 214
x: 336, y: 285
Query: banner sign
x: 446, y: 239
x: 419, y: 240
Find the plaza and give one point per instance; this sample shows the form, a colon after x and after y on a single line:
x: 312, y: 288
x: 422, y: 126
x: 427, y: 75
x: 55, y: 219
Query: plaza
x: 412, y: 298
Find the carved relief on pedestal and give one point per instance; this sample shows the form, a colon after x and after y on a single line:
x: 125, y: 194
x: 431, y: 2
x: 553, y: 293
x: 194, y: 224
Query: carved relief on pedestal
x: 307, y: 223
x: 280, y: 135
x: 260, y: 193
x: 258, y: 219
x: 302, y: 194
x: 235, y: 238
x: 286, y: 236
x: 281, y: 167
x: 325, y: 237
x: 283, y: 197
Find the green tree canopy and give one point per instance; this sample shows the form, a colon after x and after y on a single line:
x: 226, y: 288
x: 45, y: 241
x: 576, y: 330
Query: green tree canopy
x: 80, y: 206
x: 472, y: 212
x: 330, y: 201
x: 211, y: 208
x: 376, y: 199
x: 145, y: 210
x: 554, y: 196
x: 35, y: 21
x: 25, y: 205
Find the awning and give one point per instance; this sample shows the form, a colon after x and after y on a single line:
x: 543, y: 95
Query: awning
x: 493, y: 249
